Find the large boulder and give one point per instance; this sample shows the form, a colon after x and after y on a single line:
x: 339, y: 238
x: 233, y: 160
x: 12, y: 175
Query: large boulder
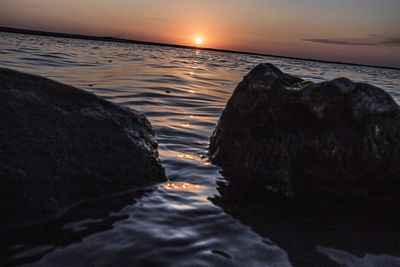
x: 283, y: 134
x: 60, y: 145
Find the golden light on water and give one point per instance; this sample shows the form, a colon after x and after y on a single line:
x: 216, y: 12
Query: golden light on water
x: 185, y: 156
x: 181, y: 186
x: 194, y: 157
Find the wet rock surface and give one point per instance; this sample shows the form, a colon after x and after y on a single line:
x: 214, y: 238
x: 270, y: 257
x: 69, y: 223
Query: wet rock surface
x: 312, y: 167
x: 60, y: 145
x: 29, y: 243
x: 283, y: 134
x: 301, y: 226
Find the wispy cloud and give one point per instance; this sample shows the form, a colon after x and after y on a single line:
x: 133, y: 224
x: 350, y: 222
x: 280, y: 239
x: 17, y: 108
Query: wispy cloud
x: 338, y: 42
x: 393, y: 41
x: 374, y: 41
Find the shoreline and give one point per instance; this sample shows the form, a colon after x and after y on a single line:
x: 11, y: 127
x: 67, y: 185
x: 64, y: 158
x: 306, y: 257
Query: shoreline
x: 122, y: 40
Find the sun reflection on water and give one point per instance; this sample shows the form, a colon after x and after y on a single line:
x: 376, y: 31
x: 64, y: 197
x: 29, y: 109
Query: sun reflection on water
x: 185, y: 156
x: 181, y: 186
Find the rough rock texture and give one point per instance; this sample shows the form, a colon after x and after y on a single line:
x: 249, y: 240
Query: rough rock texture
x: 60, y: 145
x: 295, y: 137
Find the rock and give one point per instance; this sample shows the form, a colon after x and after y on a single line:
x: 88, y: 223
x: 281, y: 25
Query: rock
x: 71, y: 227
x: 300, y: 225
x: 283, y: 134
x: 60, y: 145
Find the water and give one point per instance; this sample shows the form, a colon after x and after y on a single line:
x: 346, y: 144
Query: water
x: 182, y: 92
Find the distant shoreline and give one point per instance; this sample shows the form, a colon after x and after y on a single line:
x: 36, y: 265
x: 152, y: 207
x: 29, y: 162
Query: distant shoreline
x: 121, y: 40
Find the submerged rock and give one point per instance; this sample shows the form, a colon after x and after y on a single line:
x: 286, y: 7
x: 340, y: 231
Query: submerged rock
x: 60, y: 145
x: 281, y: 133
x: 300, y: 225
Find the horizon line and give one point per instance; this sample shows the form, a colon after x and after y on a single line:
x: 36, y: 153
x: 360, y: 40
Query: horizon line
x: 133, y: 41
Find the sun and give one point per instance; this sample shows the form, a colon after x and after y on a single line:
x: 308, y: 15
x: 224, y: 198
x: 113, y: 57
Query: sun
x: 198, y: 41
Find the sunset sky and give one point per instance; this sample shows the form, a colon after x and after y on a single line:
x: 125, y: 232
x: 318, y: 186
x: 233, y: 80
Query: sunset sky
x: 360, y: 31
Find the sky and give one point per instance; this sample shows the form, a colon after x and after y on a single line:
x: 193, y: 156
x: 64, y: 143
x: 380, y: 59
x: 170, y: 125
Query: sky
x: 357, y: 31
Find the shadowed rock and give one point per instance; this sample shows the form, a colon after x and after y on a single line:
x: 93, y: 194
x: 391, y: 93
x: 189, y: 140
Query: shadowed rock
x: 287, y: 135
x: 20, y: 246
x: 312, y: 165
x: 60, y: 145
x: 300, y: 226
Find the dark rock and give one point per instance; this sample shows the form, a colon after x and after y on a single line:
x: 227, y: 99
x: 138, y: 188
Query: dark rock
x: 79, y: 222
x: 333, y: 147
x: 299, y: 226
x: 281, y: 133
x: 60, y: 145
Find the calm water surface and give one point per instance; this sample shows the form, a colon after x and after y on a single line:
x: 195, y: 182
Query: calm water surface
x: 182, y: 92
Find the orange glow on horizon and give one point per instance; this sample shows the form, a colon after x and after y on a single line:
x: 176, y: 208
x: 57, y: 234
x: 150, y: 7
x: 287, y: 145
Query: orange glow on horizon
x: 269, y: 27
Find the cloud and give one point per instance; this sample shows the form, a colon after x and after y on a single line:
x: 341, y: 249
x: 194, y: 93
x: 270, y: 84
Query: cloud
x: 358, y: 41
x: 392, y: 41
x: 338, y: 42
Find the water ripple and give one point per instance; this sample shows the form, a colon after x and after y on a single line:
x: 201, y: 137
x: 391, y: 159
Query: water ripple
x: 183, y: 93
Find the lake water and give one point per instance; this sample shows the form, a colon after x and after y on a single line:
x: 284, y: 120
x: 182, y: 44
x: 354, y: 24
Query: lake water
x: 182, y: 92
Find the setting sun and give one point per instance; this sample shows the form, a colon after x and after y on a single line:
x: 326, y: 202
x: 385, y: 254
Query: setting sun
x: 198, y: 40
